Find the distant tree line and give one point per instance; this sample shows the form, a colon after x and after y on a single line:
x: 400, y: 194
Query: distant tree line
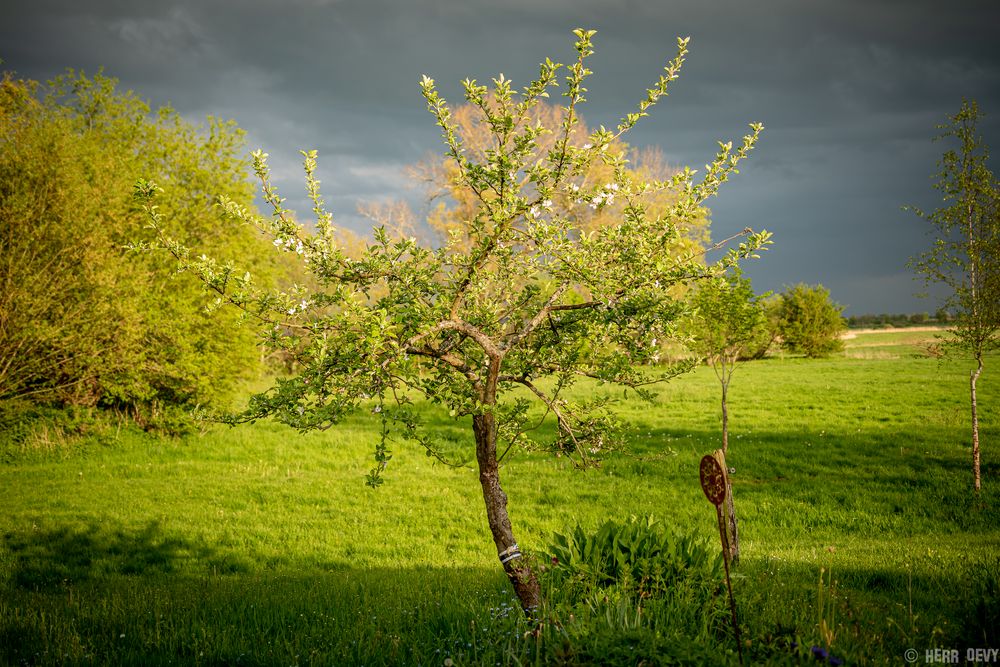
x: 899, y: 320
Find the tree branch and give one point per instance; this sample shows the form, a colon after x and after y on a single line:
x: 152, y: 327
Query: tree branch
x: 562, y: 422
x: 539, y: 317
x: 476, y: 334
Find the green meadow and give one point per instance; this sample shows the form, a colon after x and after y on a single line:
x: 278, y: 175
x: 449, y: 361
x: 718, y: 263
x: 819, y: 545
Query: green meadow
x: 258, y: 545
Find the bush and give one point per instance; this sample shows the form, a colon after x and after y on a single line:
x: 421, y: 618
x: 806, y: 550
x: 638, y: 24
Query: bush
x: 81, y: 321
x: 809, y: 322
x: 29, y: 429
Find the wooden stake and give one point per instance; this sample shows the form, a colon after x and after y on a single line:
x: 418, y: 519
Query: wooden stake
x: 715, y: 484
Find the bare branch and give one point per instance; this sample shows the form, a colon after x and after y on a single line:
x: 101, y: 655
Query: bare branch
x: 561, y: 419
x: 535, y: 321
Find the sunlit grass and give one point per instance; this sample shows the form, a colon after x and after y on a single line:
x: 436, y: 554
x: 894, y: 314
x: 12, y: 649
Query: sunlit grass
x: 896, y: 343
x: 259, y: 545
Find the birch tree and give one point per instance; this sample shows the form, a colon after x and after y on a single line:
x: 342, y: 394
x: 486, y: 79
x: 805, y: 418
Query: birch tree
x: 965, y: 252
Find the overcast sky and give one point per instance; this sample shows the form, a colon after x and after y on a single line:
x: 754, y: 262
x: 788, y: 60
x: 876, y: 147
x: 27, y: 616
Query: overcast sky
x: 850, y: 92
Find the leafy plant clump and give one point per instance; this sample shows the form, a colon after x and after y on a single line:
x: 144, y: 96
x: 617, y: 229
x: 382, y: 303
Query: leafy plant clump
x: 633, y: 592
x: 637, y: 556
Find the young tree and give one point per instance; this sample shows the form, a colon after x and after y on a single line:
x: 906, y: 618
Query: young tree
x: 727, y: 320
x: 809, y: 322
x: 515, y: 309
x: 965, y: 255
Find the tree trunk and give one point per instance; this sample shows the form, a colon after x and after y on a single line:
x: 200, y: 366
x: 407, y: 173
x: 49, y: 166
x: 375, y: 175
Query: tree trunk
x: 732, y: 529
x: 521, y: 576
x: 976, y: 480
x: 734, y: 539
x: 725, y: 419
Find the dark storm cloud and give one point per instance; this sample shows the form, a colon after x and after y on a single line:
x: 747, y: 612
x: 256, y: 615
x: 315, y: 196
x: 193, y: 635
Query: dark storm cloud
x: 850, y: 92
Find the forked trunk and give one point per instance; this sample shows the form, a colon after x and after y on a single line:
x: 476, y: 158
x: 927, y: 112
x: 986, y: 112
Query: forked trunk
x: 521, y: 576
x: 976, y: 480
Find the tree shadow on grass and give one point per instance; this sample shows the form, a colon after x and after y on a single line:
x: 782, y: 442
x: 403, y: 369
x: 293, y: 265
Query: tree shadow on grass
x: 372, y: 616
x: 47, y: 558
x: 887, y: 602
x: 815, y: 467
x: 94, y: 595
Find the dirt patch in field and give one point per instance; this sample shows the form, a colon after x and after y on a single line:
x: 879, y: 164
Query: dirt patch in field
x: 853, y: 333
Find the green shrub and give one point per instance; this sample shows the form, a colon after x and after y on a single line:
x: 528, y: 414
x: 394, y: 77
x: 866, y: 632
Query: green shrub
x: 82, y: 321
x: 28, y: 428
x: 809, y: 322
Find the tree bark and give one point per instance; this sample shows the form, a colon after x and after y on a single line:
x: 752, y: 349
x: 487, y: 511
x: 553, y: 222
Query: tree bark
x: 734, y: 538
x: 974, y: 376
x: 521, y: 576
x: 725, y: 418
x: 732, y: 528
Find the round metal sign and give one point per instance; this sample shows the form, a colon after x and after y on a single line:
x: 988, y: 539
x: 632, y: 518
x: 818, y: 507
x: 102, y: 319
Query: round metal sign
x: 713, y: 480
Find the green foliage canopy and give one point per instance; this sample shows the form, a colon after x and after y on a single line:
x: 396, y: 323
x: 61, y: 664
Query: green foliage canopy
x: 728, y: 320
x: 82, y: 321
x: 809, y: 322
x: 529, y: 297
x: 965, y: 253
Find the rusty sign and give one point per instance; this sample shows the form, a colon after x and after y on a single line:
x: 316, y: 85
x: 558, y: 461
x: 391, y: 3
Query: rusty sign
x: 713, y: 480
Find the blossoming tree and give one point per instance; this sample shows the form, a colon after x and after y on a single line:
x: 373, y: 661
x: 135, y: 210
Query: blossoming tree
x: 503, y: 316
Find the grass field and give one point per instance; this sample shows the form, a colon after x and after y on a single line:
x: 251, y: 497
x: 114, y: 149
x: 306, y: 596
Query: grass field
x: 258, y: 545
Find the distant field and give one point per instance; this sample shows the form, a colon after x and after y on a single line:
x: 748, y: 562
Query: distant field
x: 893, y: 343
x: 258, y: 545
